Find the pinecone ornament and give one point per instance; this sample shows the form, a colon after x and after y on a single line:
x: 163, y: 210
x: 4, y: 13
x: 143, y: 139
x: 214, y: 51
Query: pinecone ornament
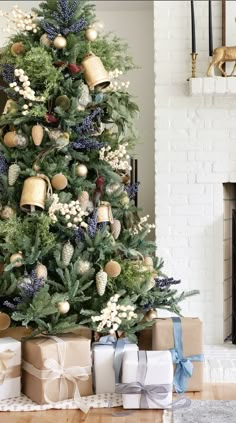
x: 41, y: 271
x: 67, y: 253
x: 115, y: 228
x: 101, y: 282
x: 13, y: 173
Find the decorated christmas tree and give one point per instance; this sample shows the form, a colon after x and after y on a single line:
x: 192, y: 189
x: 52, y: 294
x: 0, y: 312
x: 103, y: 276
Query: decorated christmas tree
x: 73, y: 244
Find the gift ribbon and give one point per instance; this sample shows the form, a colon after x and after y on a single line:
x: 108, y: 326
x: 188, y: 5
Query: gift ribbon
x: 154, y: 393
x: 5, y: 371
x: 56, y: 370
x: 119, y: 346
x: 184, y: 365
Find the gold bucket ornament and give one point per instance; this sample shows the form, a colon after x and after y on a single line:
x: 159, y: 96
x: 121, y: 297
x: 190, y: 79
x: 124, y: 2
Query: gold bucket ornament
x: 104, y: 212
x: 95, y: 74
x: 34, y: 193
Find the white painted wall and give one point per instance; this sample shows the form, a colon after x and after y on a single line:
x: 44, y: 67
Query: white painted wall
x: 195, y: 155
x: 132, y: 21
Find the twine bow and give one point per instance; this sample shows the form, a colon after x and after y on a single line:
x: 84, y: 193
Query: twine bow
x: 184, y: 366
x: 49, y: 190
x: 56, y: 370
x: 5, y: 356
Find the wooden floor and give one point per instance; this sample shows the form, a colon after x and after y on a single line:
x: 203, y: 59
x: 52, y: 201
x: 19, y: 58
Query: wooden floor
x: 211, y: 392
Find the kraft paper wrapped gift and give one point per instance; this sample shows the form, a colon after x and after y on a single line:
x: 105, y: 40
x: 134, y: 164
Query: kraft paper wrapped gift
x: 150, y: 372
x: 10, y: 368
x: 145, y: 339
x: 57, y: 368
x: 184, y: 338
x: 107, y: 355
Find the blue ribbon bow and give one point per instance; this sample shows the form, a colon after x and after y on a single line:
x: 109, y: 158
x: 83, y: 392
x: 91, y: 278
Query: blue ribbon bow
x: 184, y: 365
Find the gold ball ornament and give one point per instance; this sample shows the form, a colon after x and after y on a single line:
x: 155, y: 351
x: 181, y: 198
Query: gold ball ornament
x: 63, y: 307
x: 17, y: 48
x: 63, y: 101
x: 37, y: 133
x: 113, y: 269
x: 91, y: 34
x: 59, y: 42
x: 36, y: 167
x: 7, y: 212
x: 148, y: 261
x: 10, y: 139
x: 45, y: 41
x: 16, y: 259
x: 59, y: 181
x: 82, y: 170
x: 150, y: 315
x: 5, y: 321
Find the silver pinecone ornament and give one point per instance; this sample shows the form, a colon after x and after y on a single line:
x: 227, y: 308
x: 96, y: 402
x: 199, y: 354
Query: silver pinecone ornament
x: 101, y: 282
x: 13, y: 173
x: 115, y: 228
x: 67, y: 253
x: 41, y: 271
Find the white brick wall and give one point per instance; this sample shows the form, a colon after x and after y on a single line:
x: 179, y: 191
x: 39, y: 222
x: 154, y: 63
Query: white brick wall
x: 195, y: 155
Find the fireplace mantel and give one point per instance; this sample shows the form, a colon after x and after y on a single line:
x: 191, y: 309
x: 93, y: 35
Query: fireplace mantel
x: 216, y: 85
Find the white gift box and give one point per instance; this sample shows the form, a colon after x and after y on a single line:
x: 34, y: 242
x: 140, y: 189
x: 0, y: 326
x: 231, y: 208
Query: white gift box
x: 157, y: 369
x: 10, y: 362
x: 103, y: 366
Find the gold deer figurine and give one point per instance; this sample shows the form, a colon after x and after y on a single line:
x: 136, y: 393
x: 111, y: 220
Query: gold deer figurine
x: 220, y: 56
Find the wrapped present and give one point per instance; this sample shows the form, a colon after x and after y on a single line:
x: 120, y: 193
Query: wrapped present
x: 184, y: 338
x: 107, y: 360
x: 16, y: 332
x: 147, y: 378
x: 10, y: 368
x: 145, y: 339
x: 55, y: 369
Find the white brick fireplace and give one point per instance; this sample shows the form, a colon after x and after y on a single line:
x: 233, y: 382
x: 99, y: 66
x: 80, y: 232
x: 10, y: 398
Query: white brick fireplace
x: 195, y: 156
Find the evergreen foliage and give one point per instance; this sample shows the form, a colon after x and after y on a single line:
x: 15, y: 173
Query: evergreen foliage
x: 86, y: 137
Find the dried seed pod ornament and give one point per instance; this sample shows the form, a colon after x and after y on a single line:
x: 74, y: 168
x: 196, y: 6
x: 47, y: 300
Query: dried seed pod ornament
x: 37, y: 133
x: 115, y: 228
x: 67, y: 253
x: 101, y: 282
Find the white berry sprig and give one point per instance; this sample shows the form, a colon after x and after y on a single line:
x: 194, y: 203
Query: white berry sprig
x: 20, y: 21
x: 112, y: 315
x: 142, y: 224
x: 72, y: 212
x: 116, y: 83
x: 23, y: 89
x: 118, y: 159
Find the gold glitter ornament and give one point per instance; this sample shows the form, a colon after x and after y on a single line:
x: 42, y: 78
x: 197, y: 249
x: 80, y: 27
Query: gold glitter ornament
x: 5, y: 321
x: 59, y: 181
x: 17, y: 48
x: 113, y: 269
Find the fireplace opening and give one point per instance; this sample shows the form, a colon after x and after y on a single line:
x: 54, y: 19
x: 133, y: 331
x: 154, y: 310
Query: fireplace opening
x: 229, y: 278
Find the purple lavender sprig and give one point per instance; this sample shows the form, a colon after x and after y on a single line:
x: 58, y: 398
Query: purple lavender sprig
x: 65, y: 11
x: 75, y: 27
x: 86, y: 144
x: 7, y: 72
x: 79, y: 234
x: 3, y: 165
x: 92, y: 223
x: 132, y: 189
x: 165, y: 283
x: 87, y: 125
